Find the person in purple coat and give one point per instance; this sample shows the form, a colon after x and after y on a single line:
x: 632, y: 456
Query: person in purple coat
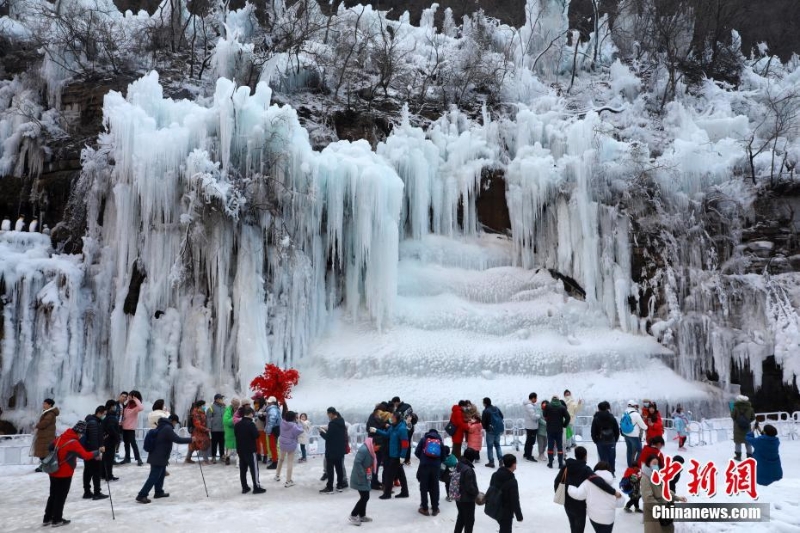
x: 291, y: 430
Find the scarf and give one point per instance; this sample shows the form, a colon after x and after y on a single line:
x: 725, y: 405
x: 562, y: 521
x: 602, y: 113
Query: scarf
x: 368, y: 442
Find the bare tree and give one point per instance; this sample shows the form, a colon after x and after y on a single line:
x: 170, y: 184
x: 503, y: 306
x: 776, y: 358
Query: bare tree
x: 781, y: 120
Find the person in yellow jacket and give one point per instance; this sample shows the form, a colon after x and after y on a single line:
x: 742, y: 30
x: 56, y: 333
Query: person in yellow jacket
x: 573, y: 406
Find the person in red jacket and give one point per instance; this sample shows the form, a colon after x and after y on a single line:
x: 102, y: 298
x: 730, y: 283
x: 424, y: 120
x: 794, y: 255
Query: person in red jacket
x: 458, y: 420
x: 653, y: 448
x: 69, y: 449
x: 655, y: 426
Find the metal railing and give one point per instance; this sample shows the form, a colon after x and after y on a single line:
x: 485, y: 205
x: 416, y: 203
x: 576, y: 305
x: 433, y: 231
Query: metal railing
x: 15, y: 449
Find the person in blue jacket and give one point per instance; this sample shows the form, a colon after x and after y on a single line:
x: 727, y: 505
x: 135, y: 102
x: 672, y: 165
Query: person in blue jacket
x: 397, y: 435
x: 765, y: 452
x: 430, y: 451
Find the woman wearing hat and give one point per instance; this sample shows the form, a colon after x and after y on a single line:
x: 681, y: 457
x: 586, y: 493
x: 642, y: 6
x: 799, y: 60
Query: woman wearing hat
x: 68, y: 448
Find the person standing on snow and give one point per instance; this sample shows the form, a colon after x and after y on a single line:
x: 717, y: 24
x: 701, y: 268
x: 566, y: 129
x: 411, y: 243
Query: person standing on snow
x: 335, y: 437
x: 743, y: 416
x: 492, y: 422
x: 227, y: 425
x: 655, y: 426
x: 406, y: 414
x: 430, y: 451
x: 45, y: 430
x: 246, y: 447
x: 541, y: 433
x: 506, y: 482
x: 605, y: 434
x: 129, y: 423
x: 468, y: 491
x: 360, y: 479
x: 214, y: 415
x: 291, y: 430
x: 68, y: 448
x: 631, y: 426
x: 532, y: 416
x: 601, y: 507
x: 113, y: 436
x: 92, y: 441
x: 397, y: 440
x: 557, y: 418
x: 574, y: 473
x: 573, y: 407
x: 159, y: 458
x: 272, y: 429
x: 457, y: 418
x: 681, y: 422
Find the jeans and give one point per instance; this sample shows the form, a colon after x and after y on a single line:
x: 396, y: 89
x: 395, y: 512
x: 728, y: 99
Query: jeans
x: 248, y: 462
x: 493, y: 439
x: 59, y: 489
x: 91, y: 475
x: 303, y: 452
x: 465, y: 520
x: 602, y: 528
x: 428, y: 477
x: 360, y: 510
x: 156, y: 478
x: 608, y: 453
x: 748, y: 448
x: 633, y: 447
x: 217, y: 442
x: 335, y: 464
x: 392, y: 470
x: 555, y: 442
x: 530, y: 438
x: 129, y: 437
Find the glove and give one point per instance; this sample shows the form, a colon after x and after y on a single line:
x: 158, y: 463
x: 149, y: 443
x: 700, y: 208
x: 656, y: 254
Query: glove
x: 372, y: 430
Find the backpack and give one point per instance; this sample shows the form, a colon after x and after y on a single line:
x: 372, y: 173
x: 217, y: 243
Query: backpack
x: 742, y: 422
x: 50, y: 464
x: 432, y: 447
x: 454, y: 491
x: 496, y: 421
x: 607, y: 435
x: 150, y: 440
x: 190, y: 422
x: 493, y: 505
x: 625, y: 485
x: 450, y: 429
x: 626, y: 424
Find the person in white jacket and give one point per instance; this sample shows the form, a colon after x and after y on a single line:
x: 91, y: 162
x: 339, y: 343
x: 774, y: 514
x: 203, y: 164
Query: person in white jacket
x: 158, y: 412
x: 532, y: 415
x: 601, y: 507
x: 632, y: 432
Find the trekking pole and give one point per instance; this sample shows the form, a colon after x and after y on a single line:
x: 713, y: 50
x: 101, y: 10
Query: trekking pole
x: 200, y: 464
x: 110, y: 499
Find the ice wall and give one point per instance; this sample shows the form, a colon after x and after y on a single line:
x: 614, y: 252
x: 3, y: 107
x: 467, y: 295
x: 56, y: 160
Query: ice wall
x: 218, y: 240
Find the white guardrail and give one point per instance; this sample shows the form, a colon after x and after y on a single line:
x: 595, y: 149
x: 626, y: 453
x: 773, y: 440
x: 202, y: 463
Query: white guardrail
x: 15, y: 449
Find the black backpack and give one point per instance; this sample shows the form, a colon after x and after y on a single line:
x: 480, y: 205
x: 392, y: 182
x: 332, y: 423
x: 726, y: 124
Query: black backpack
x: 742, y: 421
x: 493, y: 505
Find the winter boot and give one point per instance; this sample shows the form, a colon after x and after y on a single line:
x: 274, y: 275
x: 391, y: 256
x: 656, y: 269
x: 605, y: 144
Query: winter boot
x: 737, y: 456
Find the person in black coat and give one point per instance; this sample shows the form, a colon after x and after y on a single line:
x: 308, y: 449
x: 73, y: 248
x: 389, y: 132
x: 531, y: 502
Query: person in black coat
x: 113, y: 436
x: 92, y: 441
x: 406, y: 414
x: 468, y: 488
x: 158, y: 458
x: 377, y: 421
x: 605, y: 434
x: 430, y: 465
x: 246, y: 434
x: 557, y: 418
x: 335, y: 446
x: 506, y: 482
x: 577, y: 471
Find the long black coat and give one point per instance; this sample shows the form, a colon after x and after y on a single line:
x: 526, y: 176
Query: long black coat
x: 557, y: 417
x: 162, y: 448
x: 246, y: 434
x: 505, y: 480
x: 335, y: 438
x: 113, y: 433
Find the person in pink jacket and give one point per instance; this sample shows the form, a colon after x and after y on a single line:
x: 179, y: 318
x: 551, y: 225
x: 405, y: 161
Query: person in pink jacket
x: 475, y: 435
x: 130, y: 421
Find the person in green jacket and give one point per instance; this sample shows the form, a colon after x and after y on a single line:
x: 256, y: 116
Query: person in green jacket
x: 363, y: 465
x: 743, y: 416
x: 227, y: 426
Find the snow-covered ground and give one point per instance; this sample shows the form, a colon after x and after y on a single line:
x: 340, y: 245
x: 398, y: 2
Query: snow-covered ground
x: 302, y: 508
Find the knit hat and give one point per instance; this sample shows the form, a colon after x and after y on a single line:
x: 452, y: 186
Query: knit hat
x: 632, y: 403
x: 79, y: 427
x: 742, y: 398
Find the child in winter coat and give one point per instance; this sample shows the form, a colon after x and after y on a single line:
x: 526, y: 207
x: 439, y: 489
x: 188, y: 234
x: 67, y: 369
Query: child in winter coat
x: 765, y: 452
x: 302, y: 440
x: 227, y: 425
x: 655, y: 426
x: 475, y: 435
x: 446, y: 472
x: 631, y: 484
x: 681, y: 422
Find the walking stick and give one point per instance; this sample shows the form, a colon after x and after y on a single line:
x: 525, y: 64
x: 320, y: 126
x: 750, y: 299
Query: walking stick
x: 200, y: 464
x: 108, y: 486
